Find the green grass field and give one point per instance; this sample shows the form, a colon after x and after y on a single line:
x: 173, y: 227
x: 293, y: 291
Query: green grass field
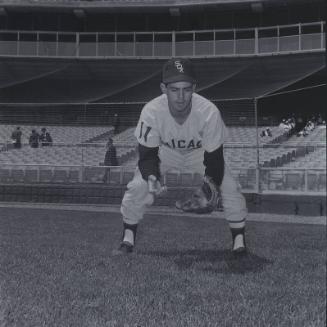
x: 56, y: 270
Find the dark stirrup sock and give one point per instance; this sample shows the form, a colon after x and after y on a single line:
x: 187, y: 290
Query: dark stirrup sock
x: 237, y: 231
x: 129, y: 233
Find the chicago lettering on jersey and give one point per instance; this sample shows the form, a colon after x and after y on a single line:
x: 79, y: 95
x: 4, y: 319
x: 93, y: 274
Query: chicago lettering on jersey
x: 183, y: 144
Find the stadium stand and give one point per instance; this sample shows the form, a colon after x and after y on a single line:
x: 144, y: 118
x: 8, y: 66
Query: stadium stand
x: 60, y: 134
x: 73, y: 81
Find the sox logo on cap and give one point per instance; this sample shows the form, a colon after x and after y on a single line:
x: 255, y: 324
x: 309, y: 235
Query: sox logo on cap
x: 179, y: 66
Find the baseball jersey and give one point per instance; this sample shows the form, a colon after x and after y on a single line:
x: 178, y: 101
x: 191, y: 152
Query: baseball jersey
x: 203, y: 128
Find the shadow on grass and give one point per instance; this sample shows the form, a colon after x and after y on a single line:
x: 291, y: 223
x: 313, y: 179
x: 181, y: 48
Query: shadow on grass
x: 215, y: 261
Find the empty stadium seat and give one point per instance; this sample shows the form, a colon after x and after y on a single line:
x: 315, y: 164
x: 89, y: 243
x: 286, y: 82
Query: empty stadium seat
x: 322, y: 182
x: 31, y: 175
x: 276, y: 180
x: 4, y: 175
x: 312, y: 182
x: 172, y: 179
x: 93, y: 174
x: 73, y: 176
x: 17, y: 175
x: 45, y: 175
x: 186, y: 179
x: 114, y: 176
x: 60, y: 176
x: 293, y: 181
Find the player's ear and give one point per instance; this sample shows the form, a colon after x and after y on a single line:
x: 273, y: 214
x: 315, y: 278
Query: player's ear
x: 163, y: 88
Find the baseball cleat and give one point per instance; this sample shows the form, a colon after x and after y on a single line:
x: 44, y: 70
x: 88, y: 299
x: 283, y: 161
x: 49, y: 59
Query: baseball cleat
x: 239, y: 246
x: 124, y: 249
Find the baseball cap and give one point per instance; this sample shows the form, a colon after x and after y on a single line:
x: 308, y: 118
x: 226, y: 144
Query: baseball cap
x: 178, y: 70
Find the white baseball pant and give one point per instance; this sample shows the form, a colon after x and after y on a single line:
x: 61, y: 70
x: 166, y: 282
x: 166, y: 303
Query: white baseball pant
x: 137, y: 196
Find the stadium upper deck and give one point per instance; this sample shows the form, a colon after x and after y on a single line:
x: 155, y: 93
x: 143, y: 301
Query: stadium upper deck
x: 149, y: 3
x: 154, y: 15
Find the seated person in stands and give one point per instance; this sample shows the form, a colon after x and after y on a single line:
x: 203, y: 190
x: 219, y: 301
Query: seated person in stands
x: 266, y: 132
x: 303, y: 132
x: 16, y: 136
x: 34, y: 139
x: 320, y: 120
x: 292, y: 122
x: 284, y: 125
x: 310, y: 125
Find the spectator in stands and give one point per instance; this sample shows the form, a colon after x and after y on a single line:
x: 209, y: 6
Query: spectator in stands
x: 309, y: 127
x: 17, y: 138
x: 299, y: 124
x: 302, y: 132
x: 34, y: 139
x: 284, y: 125
x: 266, y: 132
x: 110, y: 159
x: 116, y: 124
x: 42, y: 137
x: 319, y: 120
x: 48, y: 140
x: 292, y: 123
x: 288, y: 125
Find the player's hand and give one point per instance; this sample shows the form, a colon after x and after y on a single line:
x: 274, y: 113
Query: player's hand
x: 155, y: 186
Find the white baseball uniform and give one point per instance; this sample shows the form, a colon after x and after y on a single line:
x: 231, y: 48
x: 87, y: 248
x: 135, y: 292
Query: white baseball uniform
x: 181, y: 147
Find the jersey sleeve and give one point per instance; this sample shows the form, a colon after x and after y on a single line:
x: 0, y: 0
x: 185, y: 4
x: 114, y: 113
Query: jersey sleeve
x: 215, y: 131
x: 146, y: 130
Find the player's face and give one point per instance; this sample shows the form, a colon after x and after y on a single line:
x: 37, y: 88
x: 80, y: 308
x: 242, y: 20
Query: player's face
x: 179, y: 95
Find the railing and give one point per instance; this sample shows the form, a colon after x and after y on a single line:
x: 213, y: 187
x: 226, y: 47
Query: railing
x: 252, y: 175
x: 252, y: 180
x: 204, y: 43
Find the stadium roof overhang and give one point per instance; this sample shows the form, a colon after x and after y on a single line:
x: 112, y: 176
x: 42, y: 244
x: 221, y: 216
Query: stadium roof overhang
x: 262, y: 76
x: 129, y: 80
x: 96, y: 6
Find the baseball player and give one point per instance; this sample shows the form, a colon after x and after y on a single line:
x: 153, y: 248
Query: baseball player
x: 181, y: 130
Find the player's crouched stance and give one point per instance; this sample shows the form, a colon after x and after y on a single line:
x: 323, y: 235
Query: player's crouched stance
x: 181, y: 130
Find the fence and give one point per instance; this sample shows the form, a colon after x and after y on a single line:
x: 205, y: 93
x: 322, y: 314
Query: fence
x: 299, y: 170
x: 204, y: 43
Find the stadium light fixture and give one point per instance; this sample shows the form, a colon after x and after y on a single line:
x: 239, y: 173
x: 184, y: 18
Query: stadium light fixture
x: 3, y: 11
x: 174, y: 12
x: 257, y: 7
x: 79, y: 13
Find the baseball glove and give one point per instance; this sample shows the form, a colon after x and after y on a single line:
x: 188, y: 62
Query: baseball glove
x: 203, y: 200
